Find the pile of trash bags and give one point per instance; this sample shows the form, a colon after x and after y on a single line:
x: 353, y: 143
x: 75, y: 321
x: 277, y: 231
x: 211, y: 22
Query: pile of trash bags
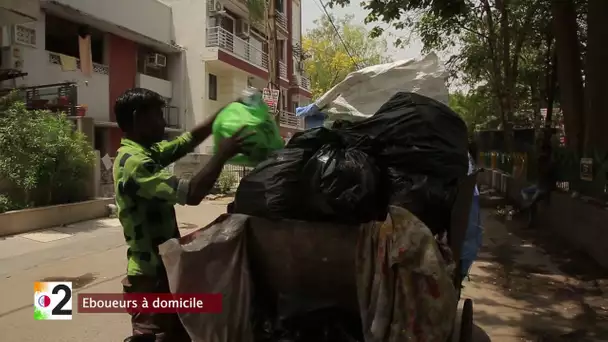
x: 410, y: 153
x: 333, y: 198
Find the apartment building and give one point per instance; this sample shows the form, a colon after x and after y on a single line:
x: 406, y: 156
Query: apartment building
x: 235, y: 55
x: 198, y: 54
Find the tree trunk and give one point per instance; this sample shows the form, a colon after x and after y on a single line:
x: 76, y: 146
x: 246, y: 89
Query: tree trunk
x: 569, y: 71
x: 596, y: 77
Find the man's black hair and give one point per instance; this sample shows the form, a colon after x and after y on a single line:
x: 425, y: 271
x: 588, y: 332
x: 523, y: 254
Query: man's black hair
x: 134, y: 100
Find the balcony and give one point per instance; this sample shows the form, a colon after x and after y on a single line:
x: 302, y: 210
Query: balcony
x: 121, y: 15
x: 281, y: 21
x: 303, y: 82
x: 55, y: 58
x: 93, y: 90
x: 229, y: 43
x: 283, y: 71
x: 290, y: 120
x: 58, y: 97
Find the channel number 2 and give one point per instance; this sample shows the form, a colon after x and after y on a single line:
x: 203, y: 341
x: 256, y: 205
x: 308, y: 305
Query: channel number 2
x: 67, y: 294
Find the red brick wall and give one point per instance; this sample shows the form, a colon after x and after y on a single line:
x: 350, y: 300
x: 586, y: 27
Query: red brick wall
x: 123, y: 70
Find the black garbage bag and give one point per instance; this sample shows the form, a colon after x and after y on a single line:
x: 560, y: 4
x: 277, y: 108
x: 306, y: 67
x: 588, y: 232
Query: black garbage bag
x: 429, y: 198
x: 419, y: 135
x: 273, y: 189
x: 342, y: 184
x: 423, y: 150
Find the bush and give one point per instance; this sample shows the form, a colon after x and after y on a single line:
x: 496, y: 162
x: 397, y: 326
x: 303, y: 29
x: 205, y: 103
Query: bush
x: 43, y: 161
x: 226, y: 181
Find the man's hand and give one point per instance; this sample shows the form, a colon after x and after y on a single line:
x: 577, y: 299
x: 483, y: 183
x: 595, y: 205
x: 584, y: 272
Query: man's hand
x: 229, y: 147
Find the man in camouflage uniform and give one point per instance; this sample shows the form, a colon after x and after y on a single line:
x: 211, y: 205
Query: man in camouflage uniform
x: 146, y: 194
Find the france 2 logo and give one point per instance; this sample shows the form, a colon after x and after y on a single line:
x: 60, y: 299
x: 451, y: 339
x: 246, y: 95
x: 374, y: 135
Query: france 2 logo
x: 53, y: 300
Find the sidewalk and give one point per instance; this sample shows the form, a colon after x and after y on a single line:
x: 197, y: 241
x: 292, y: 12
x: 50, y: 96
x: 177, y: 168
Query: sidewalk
x: 91, y: 254
x: 527, y: 286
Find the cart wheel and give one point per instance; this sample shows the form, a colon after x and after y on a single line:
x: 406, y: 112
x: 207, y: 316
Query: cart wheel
x: 466, y: 323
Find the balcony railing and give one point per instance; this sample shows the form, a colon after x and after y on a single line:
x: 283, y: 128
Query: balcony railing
x: 302, y: 82
x: 219, y: 37
x: 287, y: 119
x: 283, y: 70
x: 171, y: 115
x: 305, y: 83
x: 58, y: 97
x: 281, y: 21
x: 55, y: 58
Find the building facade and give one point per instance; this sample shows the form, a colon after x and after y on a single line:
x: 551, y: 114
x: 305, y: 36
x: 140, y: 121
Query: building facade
x: 199, y: 55
x: 236, y: 56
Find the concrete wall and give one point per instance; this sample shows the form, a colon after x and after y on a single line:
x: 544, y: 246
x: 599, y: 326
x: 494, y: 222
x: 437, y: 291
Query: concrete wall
x: 189, y: 27
x: 21, y: 221
x: 18, y: 11
x: 581, y: 223
x: 296, y: 22
x: 163, y: 87
x: 150, y: 18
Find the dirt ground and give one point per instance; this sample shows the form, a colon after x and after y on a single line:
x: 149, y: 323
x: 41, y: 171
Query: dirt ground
x: 529, y: 286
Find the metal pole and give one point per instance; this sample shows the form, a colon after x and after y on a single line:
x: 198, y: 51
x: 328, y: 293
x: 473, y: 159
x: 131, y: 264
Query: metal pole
x: 273, y: 58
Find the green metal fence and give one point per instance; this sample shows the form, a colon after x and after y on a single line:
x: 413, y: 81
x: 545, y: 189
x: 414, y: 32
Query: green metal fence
x: 524, y: 166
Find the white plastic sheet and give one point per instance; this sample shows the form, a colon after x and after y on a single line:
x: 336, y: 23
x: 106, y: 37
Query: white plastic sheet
x: 362, y: 92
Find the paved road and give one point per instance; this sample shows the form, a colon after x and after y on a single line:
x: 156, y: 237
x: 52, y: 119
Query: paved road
x: 92, y: 255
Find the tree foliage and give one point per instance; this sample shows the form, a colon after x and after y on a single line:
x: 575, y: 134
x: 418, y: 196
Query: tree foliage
x: 330, y: 60
x: 514, y: 47
x: 499, y: 43
x: 43, y: 161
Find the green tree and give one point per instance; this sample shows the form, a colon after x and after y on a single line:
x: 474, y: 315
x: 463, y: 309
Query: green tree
x: 43, y: 161
x: 476, y: 107
x: 330, y: 61
x: 580, y: 32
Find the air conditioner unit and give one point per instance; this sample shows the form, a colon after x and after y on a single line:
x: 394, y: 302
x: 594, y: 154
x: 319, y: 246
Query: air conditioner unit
x: 12, y: 57
x: 242, y: 28
x: 215, y: 6
x: 156, y: 60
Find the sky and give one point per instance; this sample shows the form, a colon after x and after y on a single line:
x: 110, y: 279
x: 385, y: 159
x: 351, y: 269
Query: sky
x: 311, y: 10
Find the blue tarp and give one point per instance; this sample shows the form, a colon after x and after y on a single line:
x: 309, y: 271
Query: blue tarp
x: 474, y: 236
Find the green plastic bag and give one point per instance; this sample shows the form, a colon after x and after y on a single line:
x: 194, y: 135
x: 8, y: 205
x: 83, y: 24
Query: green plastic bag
x: 256, y: 118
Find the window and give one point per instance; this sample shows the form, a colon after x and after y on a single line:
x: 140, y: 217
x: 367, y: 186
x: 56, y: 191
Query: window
x: 212, y: 87
x: 280, y: 5
x: 282, y: 51
x: 284, y: 99
x: 295, y: 106
x: 61, y: 36
x: 228, y: 23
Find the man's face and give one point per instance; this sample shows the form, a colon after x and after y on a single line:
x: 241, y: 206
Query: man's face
x: 151, y: 125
